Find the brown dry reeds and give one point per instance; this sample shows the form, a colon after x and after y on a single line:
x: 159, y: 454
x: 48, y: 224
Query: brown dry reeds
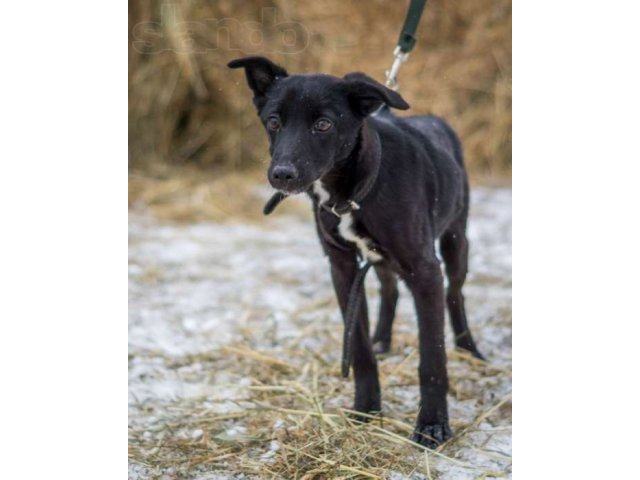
x: 186, y: 107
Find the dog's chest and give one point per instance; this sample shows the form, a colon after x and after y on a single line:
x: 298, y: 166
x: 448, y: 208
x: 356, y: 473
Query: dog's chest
x: 346, y: 228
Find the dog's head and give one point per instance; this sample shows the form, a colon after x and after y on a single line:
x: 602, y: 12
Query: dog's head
x: 312, y: 121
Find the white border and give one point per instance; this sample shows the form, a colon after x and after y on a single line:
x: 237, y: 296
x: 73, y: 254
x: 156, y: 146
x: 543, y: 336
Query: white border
x: 575, y: 269
x: 63, y: 195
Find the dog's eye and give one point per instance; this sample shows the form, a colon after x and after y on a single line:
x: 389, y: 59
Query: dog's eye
x: 273, y: 123
x: 323, y: 125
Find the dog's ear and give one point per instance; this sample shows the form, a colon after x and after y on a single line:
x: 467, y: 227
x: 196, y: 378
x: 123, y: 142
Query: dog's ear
x: 366, y: 95
x: 261, y: 73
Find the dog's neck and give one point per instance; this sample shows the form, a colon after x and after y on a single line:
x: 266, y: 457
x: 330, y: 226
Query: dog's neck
x: 352, y: 178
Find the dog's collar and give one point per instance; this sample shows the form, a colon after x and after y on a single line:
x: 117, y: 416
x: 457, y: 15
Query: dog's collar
x: 368, y: 166
x: 349, y: 206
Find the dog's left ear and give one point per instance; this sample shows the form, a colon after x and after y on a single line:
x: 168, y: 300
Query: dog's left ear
x: 367, y: 95
x: 261, y: 73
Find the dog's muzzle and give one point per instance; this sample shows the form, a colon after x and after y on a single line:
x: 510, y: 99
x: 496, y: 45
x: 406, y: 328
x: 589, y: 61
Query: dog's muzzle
x: 285, y: 177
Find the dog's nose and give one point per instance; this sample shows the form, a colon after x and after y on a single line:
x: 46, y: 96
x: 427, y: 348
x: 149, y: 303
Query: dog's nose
x: 283, y: 176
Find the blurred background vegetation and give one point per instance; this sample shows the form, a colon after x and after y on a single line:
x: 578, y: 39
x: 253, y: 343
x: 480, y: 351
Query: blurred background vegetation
x: 193, y: 133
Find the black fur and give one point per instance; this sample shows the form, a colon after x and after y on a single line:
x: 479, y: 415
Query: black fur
x: 416, y: 192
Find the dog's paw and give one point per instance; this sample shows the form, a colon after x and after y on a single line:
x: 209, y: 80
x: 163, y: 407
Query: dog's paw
x: 431, y: 435
x: 472, y: 350
x: 365, y: 412
x: 478, y: 355
x: 380, y: 347
x: 365, y: 417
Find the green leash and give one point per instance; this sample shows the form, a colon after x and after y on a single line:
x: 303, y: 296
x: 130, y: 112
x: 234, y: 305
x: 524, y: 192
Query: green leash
x: 407, y: 40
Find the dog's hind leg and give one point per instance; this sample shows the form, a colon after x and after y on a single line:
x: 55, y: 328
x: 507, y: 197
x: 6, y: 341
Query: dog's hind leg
x: 454, y: 249
x: 388, y: 300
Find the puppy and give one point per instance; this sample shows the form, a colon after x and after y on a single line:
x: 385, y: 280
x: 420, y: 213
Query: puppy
x: 384, y: 189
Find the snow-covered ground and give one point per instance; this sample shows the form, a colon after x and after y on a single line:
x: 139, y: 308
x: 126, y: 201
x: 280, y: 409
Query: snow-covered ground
x: 196, y: 288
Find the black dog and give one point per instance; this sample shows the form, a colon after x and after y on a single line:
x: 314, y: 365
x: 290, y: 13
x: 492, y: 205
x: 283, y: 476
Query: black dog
x: 384, y: 189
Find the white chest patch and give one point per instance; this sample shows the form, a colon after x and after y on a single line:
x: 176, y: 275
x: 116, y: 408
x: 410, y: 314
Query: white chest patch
x: 346, y: 231
x: 318, y: 189
x: 345, y: 227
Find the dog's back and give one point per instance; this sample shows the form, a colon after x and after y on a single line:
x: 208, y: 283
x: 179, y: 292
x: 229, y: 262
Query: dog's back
x: 426, y: 148
x: 439, y: 133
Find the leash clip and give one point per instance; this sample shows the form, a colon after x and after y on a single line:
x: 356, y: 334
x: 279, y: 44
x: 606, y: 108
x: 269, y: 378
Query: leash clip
x: 392, y: 75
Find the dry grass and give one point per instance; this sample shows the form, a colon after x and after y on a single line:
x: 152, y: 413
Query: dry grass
x: 194, y: 194
x: 187, y: 108
x: 296, y: 399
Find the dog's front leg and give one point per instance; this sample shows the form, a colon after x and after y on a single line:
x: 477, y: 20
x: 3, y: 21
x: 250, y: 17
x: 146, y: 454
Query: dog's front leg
x: 365, y: 370
x: 425, y: 281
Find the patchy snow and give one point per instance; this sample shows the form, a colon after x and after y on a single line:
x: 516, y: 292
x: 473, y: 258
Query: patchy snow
x: 196, y: 287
